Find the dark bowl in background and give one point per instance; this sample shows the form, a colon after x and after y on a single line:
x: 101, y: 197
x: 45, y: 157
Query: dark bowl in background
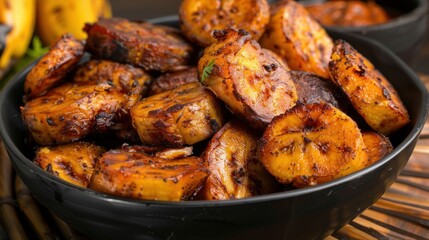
x: 404, y: 34
x: 310, y: 213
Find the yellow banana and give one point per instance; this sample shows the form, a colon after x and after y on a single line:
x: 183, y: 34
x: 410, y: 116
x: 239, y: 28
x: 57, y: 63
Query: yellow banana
x: 55, y: 17
x: 20, y: 16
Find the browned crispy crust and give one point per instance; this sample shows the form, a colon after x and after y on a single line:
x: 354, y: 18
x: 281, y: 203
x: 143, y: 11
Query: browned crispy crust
x: 171, y: 80
x: 63, y: 56
x: 138, y: 43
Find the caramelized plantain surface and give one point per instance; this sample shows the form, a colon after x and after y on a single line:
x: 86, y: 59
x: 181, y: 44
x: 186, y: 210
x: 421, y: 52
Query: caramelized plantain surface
x: 70, y: 112
x: 235, y: 171
x: 378, y: 145
x: 125, y: 78
x: 371, y: 94
x: 311, y: 144
x: 298, y: 38
x: 171, y: 80
x: 139, y: 175
x: 251, y: 82
x: 73, y: 162
x: 138, y: 43
x: 54, y: 66
x: 182, y: 116
x: 198, y: 18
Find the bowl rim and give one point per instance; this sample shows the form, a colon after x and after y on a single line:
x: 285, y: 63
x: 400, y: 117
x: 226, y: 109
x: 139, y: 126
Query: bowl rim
x: 412, y: 135
x: 418, y: 12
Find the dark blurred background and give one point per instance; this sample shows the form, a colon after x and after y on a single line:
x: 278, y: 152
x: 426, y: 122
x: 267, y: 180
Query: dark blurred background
x: 146, y: 9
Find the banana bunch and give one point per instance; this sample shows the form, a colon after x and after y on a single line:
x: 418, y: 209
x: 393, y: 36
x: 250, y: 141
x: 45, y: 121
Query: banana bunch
x: 17, y: 18
x: 49, y: 18
x: 55, y: 17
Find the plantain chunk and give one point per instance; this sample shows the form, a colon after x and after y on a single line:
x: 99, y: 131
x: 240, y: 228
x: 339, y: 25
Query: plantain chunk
x: 235, y: 171
x: 172, y: 80
x: 378, y: 145
x: 139, y: 175
x: 73, y: 162
x: 312, y: 88
x: 54, y: 66
x: 298, y: 38
x: 138, y: 43
x: 71, y: 112
x: 252, y: 83
x: 185, y: 115
x: 311, y: 144
x: 371, y: 94
x: 125, y: 78
x: 199, y: 18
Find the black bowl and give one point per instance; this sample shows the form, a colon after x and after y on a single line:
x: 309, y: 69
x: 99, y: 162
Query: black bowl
x: 404, y: 34
x: 310, y: 213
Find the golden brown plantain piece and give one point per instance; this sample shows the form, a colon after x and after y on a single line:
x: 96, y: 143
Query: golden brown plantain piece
x: 71, y: 111
x: 311, y: 144
x: 138, y: 43
x: 54, y: 66
x: 371, y: 94
x: 171, y: 80
x: 138, y: 175
x: 235, y: 171
x: 377, y: 144
x: 198, y: 18
x: 278, y: 58
x: 125, y: 78
x: 298, y: 38
x: 73, y: 162
x: 252, y: 83
x: 185, y: 115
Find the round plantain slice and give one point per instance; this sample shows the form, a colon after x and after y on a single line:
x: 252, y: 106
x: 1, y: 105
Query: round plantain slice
x: 235, y: 171
x: 311, y: 144
x: 298, y: 38
x: 377, y: 144
x: 54, y: 66
x: 73, y: 162
x: 199, y: 18
x: 252, y: 83
x: 182, y: 116
x: 370, y: 93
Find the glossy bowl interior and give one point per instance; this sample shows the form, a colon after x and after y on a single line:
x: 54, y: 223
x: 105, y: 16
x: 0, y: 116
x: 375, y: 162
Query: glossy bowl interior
x: 404, y: 34
x: 310, y: 213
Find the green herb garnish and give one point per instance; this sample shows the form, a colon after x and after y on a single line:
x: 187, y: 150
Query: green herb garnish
x: 207, y: 70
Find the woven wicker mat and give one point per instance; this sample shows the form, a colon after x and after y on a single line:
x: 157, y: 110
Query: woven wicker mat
x: 401, y: 213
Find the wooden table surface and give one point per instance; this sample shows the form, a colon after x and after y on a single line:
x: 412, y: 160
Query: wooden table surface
x: 401, y: 213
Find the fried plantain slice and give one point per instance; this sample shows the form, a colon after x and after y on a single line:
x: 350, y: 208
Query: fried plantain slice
x: 171, y: 80
x: 54, y: 66
x: 182, y: 116
x: 252, y: 83
x: 125, y: 78
x: 198, y: 18
x: 141, y: 44
x: 139, y: 175
x: 71, y: 112
x: 73, y: 162
x: 370, y: 93
x: 235, y: 171
x: 311, y: 144
x: 378, y: 145
x: 298, y: 38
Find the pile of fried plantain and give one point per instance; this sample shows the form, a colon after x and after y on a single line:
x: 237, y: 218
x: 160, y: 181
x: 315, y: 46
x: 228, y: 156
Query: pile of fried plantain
x: 252, y: 99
